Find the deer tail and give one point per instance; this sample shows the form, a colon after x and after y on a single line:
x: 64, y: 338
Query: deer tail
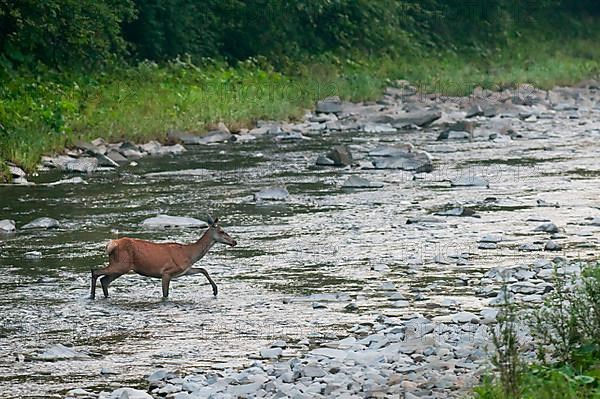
x: 110, y: 247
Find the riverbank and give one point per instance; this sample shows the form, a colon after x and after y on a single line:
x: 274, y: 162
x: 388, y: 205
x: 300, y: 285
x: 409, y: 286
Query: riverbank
x: 46, y: 112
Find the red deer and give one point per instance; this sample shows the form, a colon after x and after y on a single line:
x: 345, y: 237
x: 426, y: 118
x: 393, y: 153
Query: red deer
x: 159, y: 260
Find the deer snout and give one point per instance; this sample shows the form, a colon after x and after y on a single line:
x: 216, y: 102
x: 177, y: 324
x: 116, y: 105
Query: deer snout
x: 233, y: 243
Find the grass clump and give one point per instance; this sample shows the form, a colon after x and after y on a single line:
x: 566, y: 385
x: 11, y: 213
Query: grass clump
x: 566, y: 331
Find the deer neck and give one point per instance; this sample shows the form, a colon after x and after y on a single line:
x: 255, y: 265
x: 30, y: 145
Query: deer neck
x: 202, y: 246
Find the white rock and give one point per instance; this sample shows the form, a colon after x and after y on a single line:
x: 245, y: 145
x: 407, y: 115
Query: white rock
x: 464, y: 317
x: 272, y: 194
x: 60, y: 352
x: 7, y: 226
x: 469, y: 181
x: 129, y: 393
x: 42, y: 223
x: 165, y: 221
x: 330, y: 353
x: 271, y: 353
x: 72, y: 180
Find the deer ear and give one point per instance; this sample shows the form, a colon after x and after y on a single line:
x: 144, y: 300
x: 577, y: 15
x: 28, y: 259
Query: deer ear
x: 209, y: 220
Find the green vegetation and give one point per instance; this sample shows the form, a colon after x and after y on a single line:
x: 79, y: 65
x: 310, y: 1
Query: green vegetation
x: 567, y: 341
x: 136, y: 69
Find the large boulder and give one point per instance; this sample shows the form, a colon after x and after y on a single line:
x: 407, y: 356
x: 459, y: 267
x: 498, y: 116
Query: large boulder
x: 42, y: 223
x: 415, y: 161
x: 329, y: 105
x: 340, y: 155
x: 419, y: 118
x: 7, y: 226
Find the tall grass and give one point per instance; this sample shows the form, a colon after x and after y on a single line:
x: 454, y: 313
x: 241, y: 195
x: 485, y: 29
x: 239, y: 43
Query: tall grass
x: 45, y: 111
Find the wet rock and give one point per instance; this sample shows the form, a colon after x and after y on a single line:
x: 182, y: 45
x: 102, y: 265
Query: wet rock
x: 454, y: 135
x: 360, y: 182
x: 418, y: 118
x: 469, y: 181
x: 22, y: 181
x: 424, y: 219
x: 392, y: 150
x: 7, y: 226
x: 291, y: 136
x: 329, y: 105
x: 279, y: 344
x: 548, y: 228
x: 81, y: 165
x: 340, y: 155
x: 129, y: 393
x: 351, y: 307
x: 166, y: 221
x: 458, y: 211
x: 171, y: 150
x: 80, y: 393
x: 271, y: 353
x: 417, y: 161
x: 72, y: 180
x: 183, y: 172
x: 491, y: 238
x: 175, y: 137
x: 272, y: 194
x: 42, y: 223
x: 489, y: 315
x: 318, y: 305
x: 552, y: 246
x: 32, y: 255
x: 60, y: 352
x: 16, y: 172
x: 529, y: 247
x: 475, y: 110
x: 215, y: 136
x: 312, y: 371
x: 464, y: 317
x: 152, y: 147
x: 108, y: 371
x: 161, y: 375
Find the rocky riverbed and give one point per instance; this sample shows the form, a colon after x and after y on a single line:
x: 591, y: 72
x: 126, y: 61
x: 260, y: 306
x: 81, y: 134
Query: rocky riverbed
x: 373, y: 241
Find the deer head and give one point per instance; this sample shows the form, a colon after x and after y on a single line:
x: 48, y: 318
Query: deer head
x: 218, y: 234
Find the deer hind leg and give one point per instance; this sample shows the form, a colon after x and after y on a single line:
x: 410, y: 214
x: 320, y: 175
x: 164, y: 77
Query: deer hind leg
x: 95, y: 275
x: 106, y: 280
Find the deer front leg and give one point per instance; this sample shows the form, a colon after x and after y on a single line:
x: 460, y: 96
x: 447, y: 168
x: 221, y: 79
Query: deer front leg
x: 196, y: 270
x: 166, y: 280
x: 106, y: 280
x: 95, y: 276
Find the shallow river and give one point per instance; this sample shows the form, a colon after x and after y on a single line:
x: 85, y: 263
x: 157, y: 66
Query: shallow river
x: 323, y: 240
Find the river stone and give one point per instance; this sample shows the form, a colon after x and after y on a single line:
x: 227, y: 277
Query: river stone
x: 548, y: 228
x: 72, y: 180
x: 474, y: 110
x: 459, y: 211
x: 529, y: 247
x: 81, y: 165
x: 552, y: 246
x: 271, y: 353
x: 419, y: 118
x: 329, y: 105
x: 360, y: 182
x: 161, y: 375
x: 152, y: 147
x: 215, y: 136
x: 417, y: 161
x: 175, y: 149
x: 78, y: 392
x: 337, y: 354
x: 32, y: 255
x: 166, y: 221
x: 15, y: 171
x: 340, y: 155
x: 469, y: 181
x: 272, y: 194
x: 174, y: 137
x: 116, y: 156
x: 129, y: 393
x: 184, y: 172
x: 313, y: 370
x: 454, y: 135
x: 491, y: 238
x: 42, y: 223
x: 392, y: 150
x: 60, y: 352
x: 322, y: 160
x: 424, y: 219
x: 7, y: 226
x: 464, y: 317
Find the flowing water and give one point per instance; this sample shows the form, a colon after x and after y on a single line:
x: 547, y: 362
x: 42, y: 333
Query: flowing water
x: 323, y: 240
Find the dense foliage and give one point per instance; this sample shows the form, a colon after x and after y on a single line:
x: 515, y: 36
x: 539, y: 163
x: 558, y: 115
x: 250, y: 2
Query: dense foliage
x: 85, y: 32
